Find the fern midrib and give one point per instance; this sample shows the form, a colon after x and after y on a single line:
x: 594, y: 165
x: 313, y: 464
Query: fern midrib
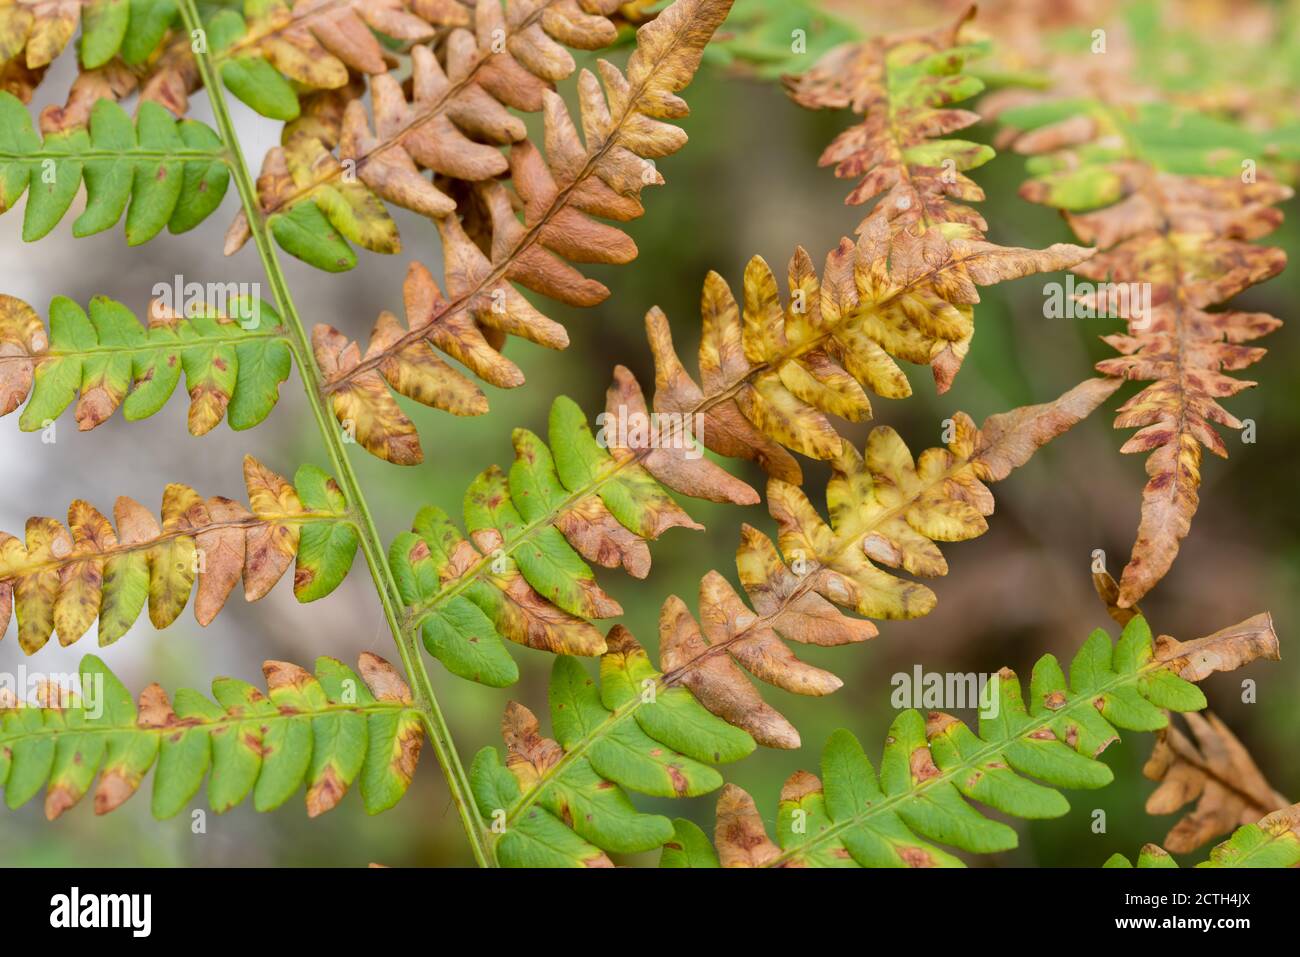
x: 178, y: 345
x: 432, y: 112
x: 990, y: 750
x: 414, y: 613
x: 530, y: 236
x: 1118, y: 127
x: 671, y: 678
x: 12, y: 572
x: 371, y: 543
x: 193, y: 723
x: 89, y: 156
x: 1266, y: 804
x: 896, y: 137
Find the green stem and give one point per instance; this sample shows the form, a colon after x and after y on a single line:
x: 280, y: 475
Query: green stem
x: 371, y: 543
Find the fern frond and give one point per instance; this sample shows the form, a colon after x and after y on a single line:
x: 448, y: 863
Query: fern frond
x: 35, y: 33
x: 468, y: 97
x: 1273, y: 842
x: 323, y: 731
x: 904, y: 87
x: 521, y: 574
x: 454, y: 124
x: 63, y: 579
x: 932, y: 767
x: 769, y: 372
x: 674, y: 731
x: 561, y: 802
x: 262, y: 55
x: 234, y: 361
x: 886, y: 510
x: 173, y: 172
x: 1217, y: 772
x: 1161, y: 192
x: 482, y: 307
x: 602, y: 501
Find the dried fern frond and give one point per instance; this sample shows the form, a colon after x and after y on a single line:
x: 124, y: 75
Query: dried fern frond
x: 522, y: 575
x: 1142, y: 186
x: 1212, y: 769
x: 904, y: 87
x: 457, y: 113
x: 933, y: 765
x: 482, y: 307
x: 325, y: 731
x: 64, y: 579
x: 454, y: 124
x: 174, y: 173
x: 262, y: 55
x: 1272, y: 842
x: 233, y: 359
x: 768, y: 371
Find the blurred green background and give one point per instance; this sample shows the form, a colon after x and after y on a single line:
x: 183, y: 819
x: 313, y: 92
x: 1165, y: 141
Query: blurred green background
x: 747, y: 184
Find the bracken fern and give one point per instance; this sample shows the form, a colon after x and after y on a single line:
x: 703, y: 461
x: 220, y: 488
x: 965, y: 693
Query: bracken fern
x: 417, y: 104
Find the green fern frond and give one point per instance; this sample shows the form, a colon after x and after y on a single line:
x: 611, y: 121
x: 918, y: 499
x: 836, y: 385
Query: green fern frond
x: 325, y: 731
x: 932, y: 767
x: 61, y: 580
x: 560, y: 803
x: 173, y: 172
x: 1273, y: 842
x: 234, y: 360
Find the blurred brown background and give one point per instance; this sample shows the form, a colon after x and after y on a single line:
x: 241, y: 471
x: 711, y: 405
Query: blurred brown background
x: 746, y: 184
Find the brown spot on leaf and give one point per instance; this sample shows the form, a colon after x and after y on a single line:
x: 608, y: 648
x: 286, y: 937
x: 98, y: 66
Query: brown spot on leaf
x: 915, y: 856
x: 325, y: 792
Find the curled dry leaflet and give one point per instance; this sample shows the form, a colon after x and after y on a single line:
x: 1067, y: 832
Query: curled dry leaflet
x: 526, y: 132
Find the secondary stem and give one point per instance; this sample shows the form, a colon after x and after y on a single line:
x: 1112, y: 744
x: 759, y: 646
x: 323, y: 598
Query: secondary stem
x: 371, y: 543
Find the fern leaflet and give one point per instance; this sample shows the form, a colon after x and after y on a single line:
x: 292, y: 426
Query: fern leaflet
x: 932, y: 767
x: 63, y: 579
x: 234, y: 360
x: 1150, y: 186
x: 325, y: 731
x: 1273, y: 842
x: 624, y: 126
x: 173, y: 172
